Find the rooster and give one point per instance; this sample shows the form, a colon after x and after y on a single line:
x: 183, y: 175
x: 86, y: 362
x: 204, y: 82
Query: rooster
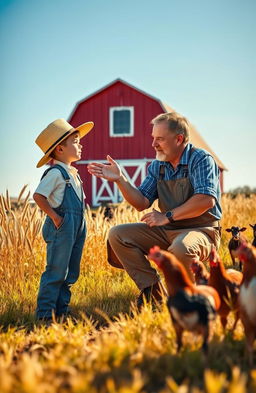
x: 227, y: 285
x: 247, y: 305
x: 191, y: 307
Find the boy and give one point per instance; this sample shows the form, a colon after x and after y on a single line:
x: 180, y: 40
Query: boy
x: 60, y: 195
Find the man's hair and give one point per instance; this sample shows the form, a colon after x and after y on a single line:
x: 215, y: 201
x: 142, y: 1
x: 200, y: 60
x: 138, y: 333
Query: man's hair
x: 175, y: 122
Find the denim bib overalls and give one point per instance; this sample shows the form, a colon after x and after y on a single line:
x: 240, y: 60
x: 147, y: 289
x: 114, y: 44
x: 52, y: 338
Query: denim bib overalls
x: 64, y: 251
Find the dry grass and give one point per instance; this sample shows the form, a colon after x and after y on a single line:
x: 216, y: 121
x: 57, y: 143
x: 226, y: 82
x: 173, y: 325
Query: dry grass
x: 103, y: 349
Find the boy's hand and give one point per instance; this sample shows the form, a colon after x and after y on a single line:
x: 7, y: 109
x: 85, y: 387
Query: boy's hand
x: 57, y: 220
x: 42, y: 202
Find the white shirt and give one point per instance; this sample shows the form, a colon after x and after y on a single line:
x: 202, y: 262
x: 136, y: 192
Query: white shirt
x: 52, y: 186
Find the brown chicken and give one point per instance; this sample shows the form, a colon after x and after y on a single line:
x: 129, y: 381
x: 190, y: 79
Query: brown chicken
x: 191, y: 307
x: 202, y: 275
x: 200, y: 272
x: 247, y: 295
x: 227, y: 284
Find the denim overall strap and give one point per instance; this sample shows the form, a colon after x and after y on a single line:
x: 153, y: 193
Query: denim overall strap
x: 81, y: 183
x: 62, y: 170
x: 71, y: 201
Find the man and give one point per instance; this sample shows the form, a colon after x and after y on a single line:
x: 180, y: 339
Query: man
x: 185, y: 180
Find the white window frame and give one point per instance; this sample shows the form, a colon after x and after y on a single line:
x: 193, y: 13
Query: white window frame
x: 111, y: 120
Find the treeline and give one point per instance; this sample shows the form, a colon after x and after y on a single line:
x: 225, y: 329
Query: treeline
x: 242, y: 190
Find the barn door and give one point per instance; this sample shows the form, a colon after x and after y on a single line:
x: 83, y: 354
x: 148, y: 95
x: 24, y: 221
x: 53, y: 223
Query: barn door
x: 104, y: 191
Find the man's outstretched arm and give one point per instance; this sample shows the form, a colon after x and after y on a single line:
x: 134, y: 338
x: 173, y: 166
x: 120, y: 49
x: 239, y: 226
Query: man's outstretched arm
x: 112, y: 172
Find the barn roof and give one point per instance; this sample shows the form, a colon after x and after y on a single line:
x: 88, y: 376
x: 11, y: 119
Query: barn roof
x: 118, y: 80
x: 195, y: 137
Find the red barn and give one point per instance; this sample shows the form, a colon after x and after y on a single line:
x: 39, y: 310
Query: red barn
x: 122, y: 115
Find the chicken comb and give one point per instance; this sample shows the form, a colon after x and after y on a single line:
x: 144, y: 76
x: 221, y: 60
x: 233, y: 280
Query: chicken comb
x: 155, y: 255
x: 154, y: 249
x: 213, y: 257
x: 242, y: 251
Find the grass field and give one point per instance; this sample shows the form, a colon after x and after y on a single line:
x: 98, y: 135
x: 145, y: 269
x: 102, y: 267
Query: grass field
x: 103, y: 348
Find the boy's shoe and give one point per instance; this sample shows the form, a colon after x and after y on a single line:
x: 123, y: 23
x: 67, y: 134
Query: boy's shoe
x: 61, y: 318
x: 153, y: 294
x: 46, y: 321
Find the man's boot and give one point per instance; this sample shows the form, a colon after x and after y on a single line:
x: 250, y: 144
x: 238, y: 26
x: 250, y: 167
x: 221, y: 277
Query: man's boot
x: 153, y: 294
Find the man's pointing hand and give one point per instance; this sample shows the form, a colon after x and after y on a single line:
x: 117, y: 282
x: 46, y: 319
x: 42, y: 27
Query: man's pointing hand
x: 110, y: 171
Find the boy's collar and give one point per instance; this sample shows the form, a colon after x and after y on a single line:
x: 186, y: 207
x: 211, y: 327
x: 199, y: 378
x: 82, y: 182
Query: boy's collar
x: 65, y: 166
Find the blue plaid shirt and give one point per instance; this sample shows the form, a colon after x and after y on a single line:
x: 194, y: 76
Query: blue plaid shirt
x: 203, y: 173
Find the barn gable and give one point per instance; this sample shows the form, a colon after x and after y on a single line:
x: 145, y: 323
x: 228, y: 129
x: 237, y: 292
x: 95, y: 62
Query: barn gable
x: 122, y: 115
x: 97, y: 107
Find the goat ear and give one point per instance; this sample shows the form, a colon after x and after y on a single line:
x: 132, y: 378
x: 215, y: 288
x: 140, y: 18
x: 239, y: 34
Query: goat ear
x: 243, y: 229
x: 228, y: 230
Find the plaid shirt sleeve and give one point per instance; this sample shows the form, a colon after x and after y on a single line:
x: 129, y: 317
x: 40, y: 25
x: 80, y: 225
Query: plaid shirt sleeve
x: 205, y: 176
x: 149, y: 186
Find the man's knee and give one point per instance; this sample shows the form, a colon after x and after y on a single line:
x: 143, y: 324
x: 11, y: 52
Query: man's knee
x: 192, y: 246
x: 115, y: 233
x: 182, y: 250
x: 123, y: 233
x: 185, y: 254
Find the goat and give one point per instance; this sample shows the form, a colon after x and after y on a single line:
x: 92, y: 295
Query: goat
x: 235, y: 242
x: 254, y: 234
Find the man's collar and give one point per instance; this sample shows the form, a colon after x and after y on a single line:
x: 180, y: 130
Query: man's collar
x: 185, y: 155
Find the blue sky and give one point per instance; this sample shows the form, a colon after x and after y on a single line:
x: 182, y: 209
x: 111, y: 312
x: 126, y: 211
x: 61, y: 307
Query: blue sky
x: 197, y: 56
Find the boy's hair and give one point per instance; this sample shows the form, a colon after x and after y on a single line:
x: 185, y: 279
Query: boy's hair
x: 63, y: 143
x: 176, y: 123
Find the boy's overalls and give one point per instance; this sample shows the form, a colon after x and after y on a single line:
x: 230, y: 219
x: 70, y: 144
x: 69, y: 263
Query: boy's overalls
x: 64, y: 251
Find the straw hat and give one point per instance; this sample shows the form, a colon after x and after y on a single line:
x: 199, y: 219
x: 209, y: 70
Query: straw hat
x: 55, y: 133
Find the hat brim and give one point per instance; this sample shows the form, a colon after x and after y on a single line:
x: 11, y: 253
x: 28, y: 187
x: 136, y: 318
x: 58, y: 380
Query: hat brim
x: 83, y: 129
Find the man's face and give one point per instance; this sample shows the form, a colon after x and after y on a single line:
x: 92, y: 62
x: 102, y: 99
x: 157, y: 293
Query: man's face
x: 166, y: 143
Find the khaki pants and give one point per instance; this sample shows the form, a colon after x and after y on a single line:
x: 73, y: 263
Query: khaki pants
x: 130, y: 243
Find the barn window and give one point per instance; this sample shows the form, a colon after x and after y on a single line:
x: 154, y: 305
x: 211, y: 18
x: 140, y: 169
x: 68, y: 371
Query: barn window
x: 121, y: 121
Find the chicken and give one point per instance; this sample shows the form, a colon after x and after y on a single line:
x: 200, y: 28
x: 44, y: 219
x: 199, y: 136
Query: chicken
x: 247, y: 305
x: 227, y: 285
x: 254, y: 234
x: 200, y: 273
x: 191, y: 307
